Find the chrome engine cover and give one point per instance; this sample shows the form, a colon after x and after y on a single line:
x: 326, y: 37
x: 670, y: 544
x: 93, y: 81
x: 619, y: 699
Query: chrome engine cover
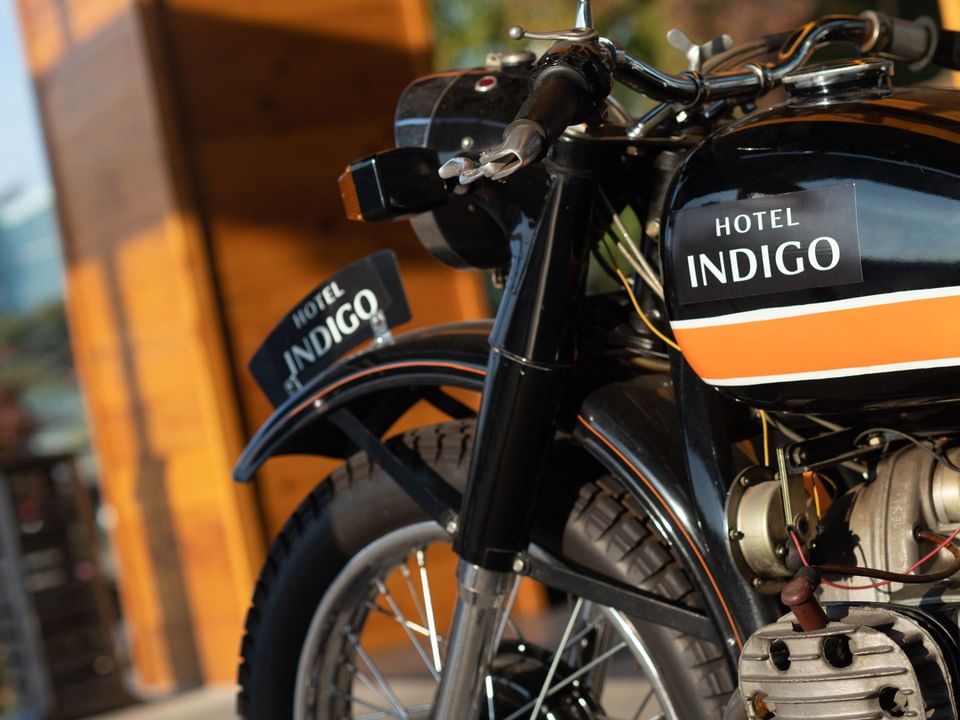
x: 869, y: 663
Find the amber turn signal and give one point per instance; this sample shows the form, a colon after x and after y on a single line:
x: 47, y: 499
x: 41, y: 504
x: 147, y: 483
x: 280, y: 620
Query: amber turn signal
x: 348, y: 195
x: 392, y: 185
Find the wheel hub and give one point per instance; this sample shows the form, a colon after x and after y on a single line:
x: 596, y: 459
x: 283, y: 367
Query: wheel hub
x: 518, y: 673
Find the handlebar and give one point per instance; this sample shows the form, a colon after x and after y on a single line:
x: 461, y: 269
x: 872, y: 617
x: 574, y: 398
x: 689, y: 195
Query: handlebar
x: 572, y: 80
x: 872, y: 31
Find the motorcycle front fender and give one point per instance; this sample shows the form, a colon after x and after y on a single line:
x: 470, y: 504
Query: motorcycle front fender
x: 630, y: 428
x: 379, y: 384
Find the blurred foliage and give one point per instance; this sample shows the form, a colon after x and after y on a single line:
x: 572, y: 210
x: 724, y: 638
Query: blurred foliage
x: 34, y: 348
x: 466, y: 30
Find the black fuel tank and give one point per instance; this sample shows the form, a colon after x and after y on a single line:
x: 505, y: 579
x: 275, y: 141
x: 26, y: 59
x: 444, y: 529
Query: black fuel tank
x: 812, y: 254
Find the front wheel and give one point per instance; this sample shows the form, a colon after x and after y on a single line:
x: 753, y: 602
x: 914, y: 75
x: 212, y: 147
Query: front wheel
x: 352, y: 608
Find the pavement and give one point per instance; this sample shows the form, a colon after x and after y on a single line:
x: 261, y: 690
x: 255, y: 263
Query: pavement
x: 217, y: 703
x: 213, y: 703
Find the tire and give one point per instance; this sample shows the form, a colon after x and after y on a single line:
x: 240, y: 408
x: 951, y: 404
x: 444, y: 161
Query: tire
x: 359, y: 503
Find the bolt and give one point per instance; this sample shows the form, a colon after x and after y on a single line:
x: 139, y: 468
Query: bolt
x: 874, y: 440
x: 519, y: 565
x: 735, y: 534
x: 653, y: 228
x: 781, y: 551
x: 756, y: 582
x: 466, y: 142
x: 731, y: 642
x: 318, y: 404
x: 745, y: 481
x: 452, y: 527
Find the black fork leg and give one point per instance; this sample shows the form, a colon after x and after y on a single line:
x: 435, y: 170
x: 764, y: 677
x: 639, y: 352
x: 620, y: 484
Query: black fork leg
x: 532, y: 347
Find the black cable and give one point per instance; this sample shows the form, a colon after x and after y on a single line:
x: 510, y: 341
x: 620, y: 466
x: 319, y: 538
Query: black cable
x: 929, y: 449
x: 853, y: 570
x: 858, y: 571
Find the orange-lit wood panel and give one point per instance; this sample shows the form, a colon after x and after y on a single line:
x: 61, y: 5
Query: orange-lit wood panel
x: 148, y: 344
x: 195, y: 146
x: 309, y: 87
x: 950, y: 19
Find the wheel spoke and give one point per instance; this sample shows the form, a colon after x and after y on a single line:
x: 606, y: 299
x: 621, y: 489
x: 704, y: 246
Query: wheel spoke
x: 642, y: 655
x: 408, y: 579
x: 643, y: 705
x: 491, y: 705
x: 379, y: 711
x: 428, y: 602
x: 387, y: 693
x: 403, y: 622
x: 417, y: 709
x: 556, y: 657
x: 415, y: 627
x: 566, y: 681
x: 581, y: 633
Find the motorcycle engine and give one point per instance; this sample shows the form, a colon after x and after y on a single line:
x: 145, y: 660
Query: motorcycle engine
x: 872, y: 525
x: 869, y: 661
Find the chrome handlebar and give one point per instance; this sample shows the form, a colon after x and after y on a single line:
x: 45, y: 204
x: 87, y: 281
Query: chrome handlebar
x: 691, y: 88
x: 871, y: 31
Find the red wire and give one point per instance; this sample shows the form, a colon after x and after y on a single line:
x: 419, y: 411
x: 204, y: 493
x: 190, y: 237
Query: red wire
x: 880, y: 583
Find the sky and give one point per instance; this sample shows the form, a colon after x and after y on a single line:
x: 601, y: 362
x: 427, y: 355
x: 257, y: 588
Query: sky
x: 22, y: 160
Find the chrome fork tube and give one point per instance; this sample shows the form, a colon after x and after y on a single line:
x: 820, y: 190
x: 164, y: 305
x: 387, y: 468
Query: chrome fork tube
x: 481, y: 603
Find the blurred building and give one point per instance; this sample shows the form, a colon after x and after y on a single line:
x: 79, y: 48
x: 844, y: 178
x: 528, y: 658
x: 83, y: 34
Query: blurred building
x: 195, y: 146
x: 31, y: 272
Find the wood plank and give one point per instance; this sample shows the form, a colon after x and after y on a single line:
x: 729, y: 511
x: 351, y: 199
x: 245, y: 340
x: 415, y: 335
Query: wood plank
x: 309, y: 87
x: 148, y: 345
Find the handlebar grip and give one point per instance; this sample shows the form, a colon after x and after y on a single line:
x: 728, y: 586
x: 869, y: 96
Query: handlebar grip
x: 914, y: 40
x: 555, y: 102
x: 568, y: 85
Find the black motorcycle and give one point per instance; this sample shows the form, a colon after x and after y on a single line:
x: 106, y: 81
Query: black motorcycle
x: 734, y: 468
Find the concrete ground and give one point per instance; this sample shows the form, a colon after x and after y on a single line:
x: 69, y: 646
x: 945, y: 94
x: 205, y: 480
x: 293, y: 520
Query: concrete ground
x: 625, y: 687
x: 218, y: 703
x: 207, y: 704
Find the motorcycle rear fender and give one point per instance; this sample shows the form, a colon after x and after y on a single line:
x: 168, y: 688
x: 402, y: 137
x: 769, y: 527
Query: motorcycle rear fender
x: 629, y: 428
x: 632, y: 429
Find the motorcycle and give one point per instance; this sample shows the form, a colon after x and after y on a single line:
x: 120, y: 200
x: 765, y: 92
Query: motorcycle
x: 737, y: 472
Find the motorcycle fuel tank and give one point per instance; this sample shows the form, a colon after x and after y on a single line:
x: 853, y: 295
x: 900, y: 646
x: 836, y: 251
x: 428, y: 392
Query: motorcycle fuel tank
x: 812, y: 254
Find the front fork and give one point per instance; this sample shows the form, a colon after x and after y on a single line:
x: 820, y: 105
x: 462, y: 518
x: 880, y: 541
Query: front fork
x: 532, y: 347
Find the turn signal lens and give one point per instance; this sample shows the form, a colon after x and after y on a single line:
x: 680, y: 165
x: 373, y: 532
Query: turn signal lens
x: 348, y: 195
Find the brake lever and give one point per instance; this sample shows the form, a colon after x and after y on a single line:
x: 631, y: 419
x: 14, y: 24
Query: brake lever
x: 522, y: 145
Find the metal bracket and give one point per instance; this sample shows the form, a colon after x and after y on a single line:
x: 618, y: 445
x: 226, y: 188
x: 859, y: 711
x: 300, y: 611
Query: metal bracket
x: 636, y: 603
x: 380, y: 328
x: 417, y: 479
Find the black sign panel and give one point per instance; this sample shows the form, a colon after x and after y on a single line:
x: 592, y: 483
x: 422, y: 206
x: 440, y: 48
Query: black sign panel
x: 334, y: 317
x: 769, y: 244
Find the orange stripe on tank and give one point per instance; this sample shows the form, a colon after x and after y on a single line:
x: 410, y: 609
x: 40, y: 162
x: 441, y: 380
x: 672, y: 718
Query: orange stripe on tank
x: 901, y: 332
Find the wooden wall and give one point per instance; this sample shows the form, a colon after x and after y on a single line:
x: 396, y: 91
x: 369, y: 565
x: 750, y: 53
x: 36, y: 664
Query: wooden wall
x: 195, y: 146
x: 950, y: 19
x: 310, y: 85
